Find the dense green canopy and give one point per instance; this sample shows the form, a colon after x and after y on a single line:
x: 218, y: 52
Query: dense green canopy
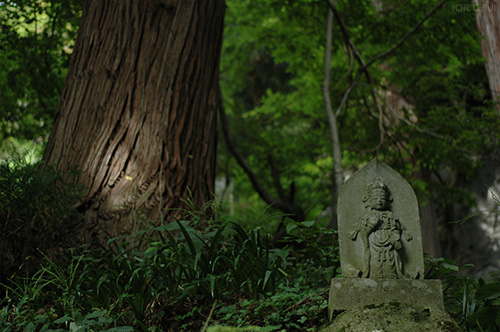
x: 36, y: 41
x: 431, y: 107
x: 426, y: 105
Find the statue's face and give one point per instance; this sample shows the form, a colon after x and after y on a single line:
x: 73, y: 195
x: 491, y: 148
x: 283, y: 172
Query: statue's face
x: 378, y: 199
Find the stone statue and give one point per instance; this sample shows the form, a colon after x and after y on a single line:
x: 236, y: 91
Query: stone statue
x: 380, y: 233
x: 382, y: 286
x: 379, y: 226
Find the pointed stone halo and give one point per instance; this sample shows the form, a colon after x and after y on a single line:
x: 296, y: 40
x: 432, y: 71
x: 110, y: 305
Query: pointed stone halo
x: 364, y: 228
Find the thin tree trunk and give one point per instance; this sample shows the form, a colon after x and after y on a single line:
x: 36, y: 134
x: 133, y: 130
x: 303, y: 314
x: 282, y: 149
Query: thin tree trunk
x: 428, y: 218
x: 338, y: 176
x: 138, y: 112
x: 488, y: 22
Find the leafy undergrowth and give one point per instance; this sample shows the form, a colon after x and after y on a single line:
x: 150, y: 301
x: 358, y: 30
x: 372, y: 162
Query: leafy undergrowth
x: 292, y: 308
x: 473, y: 303
x: 37, y: 211
x: 176, y: 278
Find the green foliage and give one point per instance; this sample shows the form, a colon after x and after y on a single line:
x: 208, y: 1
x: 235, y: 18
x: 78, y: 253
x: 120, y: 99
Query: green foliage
x: 296, y: 307
x: 47, y: 300
x: 297, y: 301
x: 484, y: 307
x: 271, y: 110
x: 36, y: 41
x: 228, y: 259
x: 271, y: 74
x: 37, y: 213
x: 237, y: 329
x: 172, y: 277
x: 139, y: 279
x: 474, y: 303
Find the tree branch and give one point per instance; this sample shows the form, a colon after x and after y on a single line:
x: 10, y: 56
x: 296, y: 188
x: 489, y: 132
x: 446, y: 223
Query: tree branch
x: 363, y: 68
x: 275, y: 174
x: 283, y: 205
x: 407, y: 35
x: 345, y: 35
x: 346, y: 93
x: 348, y: 41
x: 359, y: 59
x: 209, y: 316
x: 417, y: 128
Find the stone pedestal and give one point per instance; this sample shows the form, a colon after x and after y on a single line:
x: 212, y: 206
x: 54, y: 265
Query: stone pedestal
x: 393, y: 317
x: 349, y: 293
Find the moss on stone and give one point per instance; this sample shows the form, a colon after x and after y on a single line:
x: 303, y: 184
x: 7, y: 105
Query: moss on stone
x: 393, y: 317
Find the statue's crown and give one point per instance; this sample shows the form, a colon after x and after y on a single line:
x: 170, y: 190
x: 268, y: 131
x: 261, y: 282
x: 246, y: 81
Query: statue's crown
x: 377, y: 183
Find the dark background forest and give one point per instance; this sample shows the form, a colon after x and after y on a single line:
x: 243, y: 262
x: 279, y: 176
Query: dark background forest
x: 170, y: 166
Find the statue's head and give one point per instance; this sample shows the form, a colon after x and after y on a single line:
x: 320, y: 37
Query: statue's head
x: 378, y: 196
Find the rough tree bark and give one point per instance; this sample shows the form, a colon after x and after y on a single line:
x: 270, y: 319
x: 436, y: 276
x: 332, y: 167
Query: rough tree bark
x: 138, y: 111
x: 488, y: 22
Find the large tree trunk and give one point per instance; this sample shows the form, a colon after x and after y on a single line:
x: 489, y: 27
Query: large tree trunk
x: 138, y: 111
x: 488, y: 22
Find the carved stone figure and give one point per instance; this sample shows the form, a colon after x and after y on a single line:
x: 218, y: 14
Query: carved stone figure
x: 382, y: 286
x: 380, y: 233
x: 379, y: 226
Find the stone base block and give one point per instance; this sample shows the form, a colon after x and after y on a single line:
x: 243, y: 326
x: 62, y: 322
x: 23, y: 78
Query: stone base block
x: 349, y: 293
x: 393, y: 317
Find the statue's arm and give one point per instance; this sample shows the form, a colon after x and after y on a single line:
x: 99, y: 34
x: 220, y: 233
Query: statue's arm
x: 405, y: 232
x: 362, y: 224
